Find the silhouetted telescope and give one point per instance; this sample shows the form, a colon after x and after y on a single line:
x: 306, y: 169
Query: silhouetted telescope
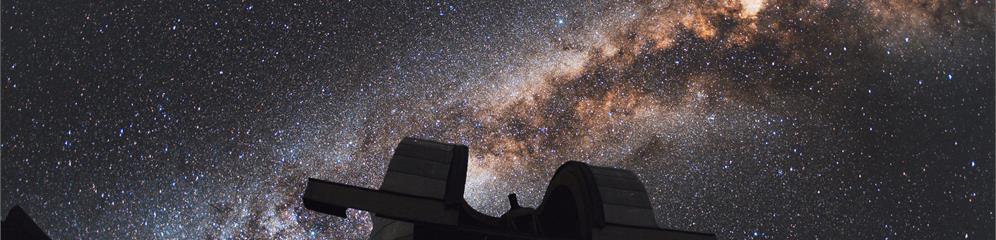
x: 422, y: 198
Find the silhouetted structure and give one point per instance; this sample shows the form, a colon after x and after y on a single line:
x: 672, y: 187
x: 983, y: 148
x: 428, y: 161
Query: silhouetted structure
x: 422, y: 198
x: 18, y: 225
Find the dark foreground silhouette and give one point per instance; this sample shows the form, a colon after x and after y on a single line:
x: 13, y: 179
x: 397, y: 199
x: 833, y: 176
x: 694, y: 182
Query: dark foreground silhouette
x: 18, y: 225
x: 422, y: 198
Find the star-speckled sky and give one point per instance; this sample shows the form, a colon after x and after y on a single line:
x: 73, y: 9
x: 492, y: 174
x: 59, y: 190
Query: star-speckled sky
x: 750, y: 119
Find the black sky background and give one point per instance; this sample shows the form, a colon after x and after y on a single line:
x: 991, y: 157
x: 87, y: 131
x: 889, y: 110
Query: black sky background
x: 203, y: 119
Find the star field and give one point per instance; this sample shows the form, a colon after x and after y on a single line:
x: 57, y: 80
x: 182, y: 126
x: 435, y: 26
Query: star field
x: 752, y: 119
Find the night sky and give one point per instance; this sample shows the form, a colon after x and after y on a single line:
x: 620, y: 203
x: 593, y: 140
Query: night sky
x: 748, y: 119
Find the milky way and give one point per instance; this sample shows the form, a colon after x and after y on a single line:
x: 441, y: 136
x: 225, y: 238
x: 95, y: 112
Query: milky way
x: 748, y: 119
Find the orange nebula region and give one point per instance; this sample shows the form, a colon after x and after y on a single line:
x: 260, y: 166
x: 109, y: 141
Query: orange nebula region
x: 592, y: 95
